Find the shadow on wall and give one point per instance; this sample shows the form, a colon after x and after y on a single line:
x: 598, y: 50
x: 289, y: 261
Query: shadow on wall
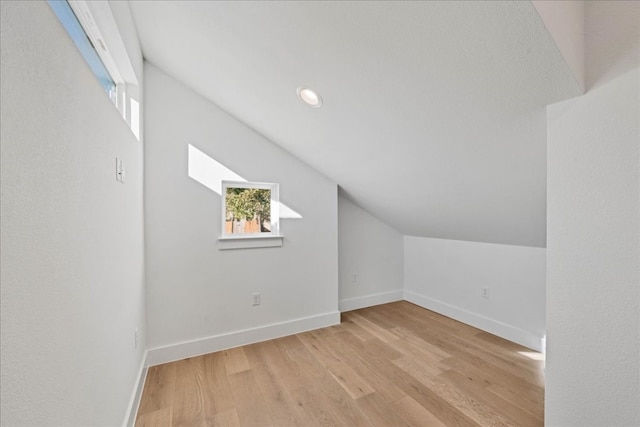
x: 210, y: 173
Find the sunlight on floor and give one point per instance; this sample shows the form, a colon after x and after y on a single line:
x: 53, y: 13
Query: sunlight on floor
x: 533, y: 355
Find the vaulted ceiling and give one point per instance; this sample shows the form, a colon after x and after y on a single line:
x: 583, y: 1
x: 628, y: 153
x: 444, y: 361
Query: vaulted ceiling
x: 434, y: 114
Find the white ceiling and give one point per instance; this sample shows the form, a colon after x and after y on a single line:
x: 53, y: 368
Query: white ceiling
x: 434, y: 112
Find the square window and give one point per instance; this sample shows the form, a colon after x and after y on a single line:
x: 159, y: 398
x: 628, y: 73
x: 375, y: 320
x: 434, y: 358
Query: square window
x: 250, y: 209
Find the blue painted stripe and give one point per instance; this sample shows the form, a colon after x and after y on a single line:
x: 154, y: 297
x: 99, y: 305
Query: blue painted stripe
x: 70, y: 22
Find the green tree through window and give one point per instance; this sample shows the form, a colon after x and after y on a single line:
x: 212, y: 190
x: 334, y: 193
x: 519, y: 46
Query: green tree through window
x: 249, y: 204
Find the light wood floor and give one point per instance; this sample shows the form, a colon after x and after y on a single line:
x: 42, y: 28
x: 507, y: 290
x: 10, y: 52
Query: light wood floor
x: 390, y: 365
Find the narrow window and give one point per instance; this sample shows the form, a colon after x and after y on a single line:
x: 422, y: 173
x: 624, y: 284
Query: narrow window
x: 65, y: 14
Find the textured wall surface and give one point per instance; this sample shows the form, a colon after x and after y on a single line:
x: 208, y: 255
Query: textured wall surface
x: 593, y: 242
x: 593, y: 283
x: 72, y: 237
x: 195, y: 290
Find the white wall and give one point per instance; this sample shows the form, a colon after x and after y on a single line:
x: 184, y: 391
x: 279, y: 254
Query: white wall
x: 593, y: 254
x: 72, y: 249
x: 593, y: 359
x: 373, y: 252
x: 447, y: 276
x: 199, y: 297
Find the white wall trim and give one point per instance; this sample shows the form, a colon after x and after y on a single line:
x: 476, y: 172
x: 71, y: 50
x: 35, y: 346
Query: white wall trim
x: 248, y: 242
x: 173, y: 352
x: 370, y: 300
x: 134, y: 403
x: 479, y: 321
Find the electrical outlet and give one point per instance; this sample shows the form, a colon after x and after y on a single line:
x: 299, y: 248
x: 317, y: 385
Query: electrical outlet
x: 135, y: 339
x: 255, y: 298
x: 354, y: 278
x: 484, y: 293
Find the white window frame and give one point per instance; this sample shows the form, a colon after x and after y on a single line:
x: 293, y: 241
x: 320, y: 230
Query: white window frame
x: 251, y: 240
x: 83, y: 12
x: 100, y: 26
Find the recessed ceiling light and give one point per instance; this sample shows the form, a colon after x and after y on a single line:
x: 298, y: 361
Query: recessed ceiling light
x: 309, y: 97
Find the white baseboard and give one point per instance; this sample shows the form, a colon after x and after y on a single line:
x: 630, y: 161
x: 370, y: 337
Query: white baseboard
x: 479, y: 321
x: 370, y: 300
x: 134, y: 403
x: 173, y: 352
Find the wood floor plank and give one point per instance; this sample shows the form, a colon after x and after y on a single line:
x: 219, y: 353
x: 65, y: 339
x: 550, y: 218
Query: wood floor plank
x: 302, y: 372
x: 224, y: 419
x: 235, y: 360
x: 274, y: 379
x: 426, y: 397
x: 161, y: 384
x: 321, y: 412
x: 250, y: 404
x: 409, y: 315
x: 415, y: 414
x: 382, y: 385
x: 379, y: 332
x: 516, y: 358
x: 417, y: 369
x: 188, y: 398
x: 534, y: 407
x: 473, y: 353
x: 489, y: 374
x: 457, y: 398
x: 390, y: 365
x: 411, y: 351
x: 512, y: 414
x: 160, y: 417
x: 380, y: 413
x: 356, y: 330
x: 273, y: 354
x: 434, y: 403
x: 324, y: 397
x: 216, y: 384
x: 344, y: 374
x: 428, y: 349
x: 342, y: 407
x: 282, y: 406
x: 373, y: 348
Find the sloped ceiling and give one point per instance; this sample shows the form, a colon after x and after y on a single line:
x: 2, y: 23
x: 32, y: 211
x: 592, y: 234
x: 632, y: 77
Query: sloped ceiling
x: 434, y: 112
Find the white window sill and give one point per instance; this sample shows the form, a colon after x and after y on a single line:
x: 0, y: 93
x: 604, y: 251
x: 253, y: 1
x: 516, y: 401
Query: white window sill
x: 249, y: 241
